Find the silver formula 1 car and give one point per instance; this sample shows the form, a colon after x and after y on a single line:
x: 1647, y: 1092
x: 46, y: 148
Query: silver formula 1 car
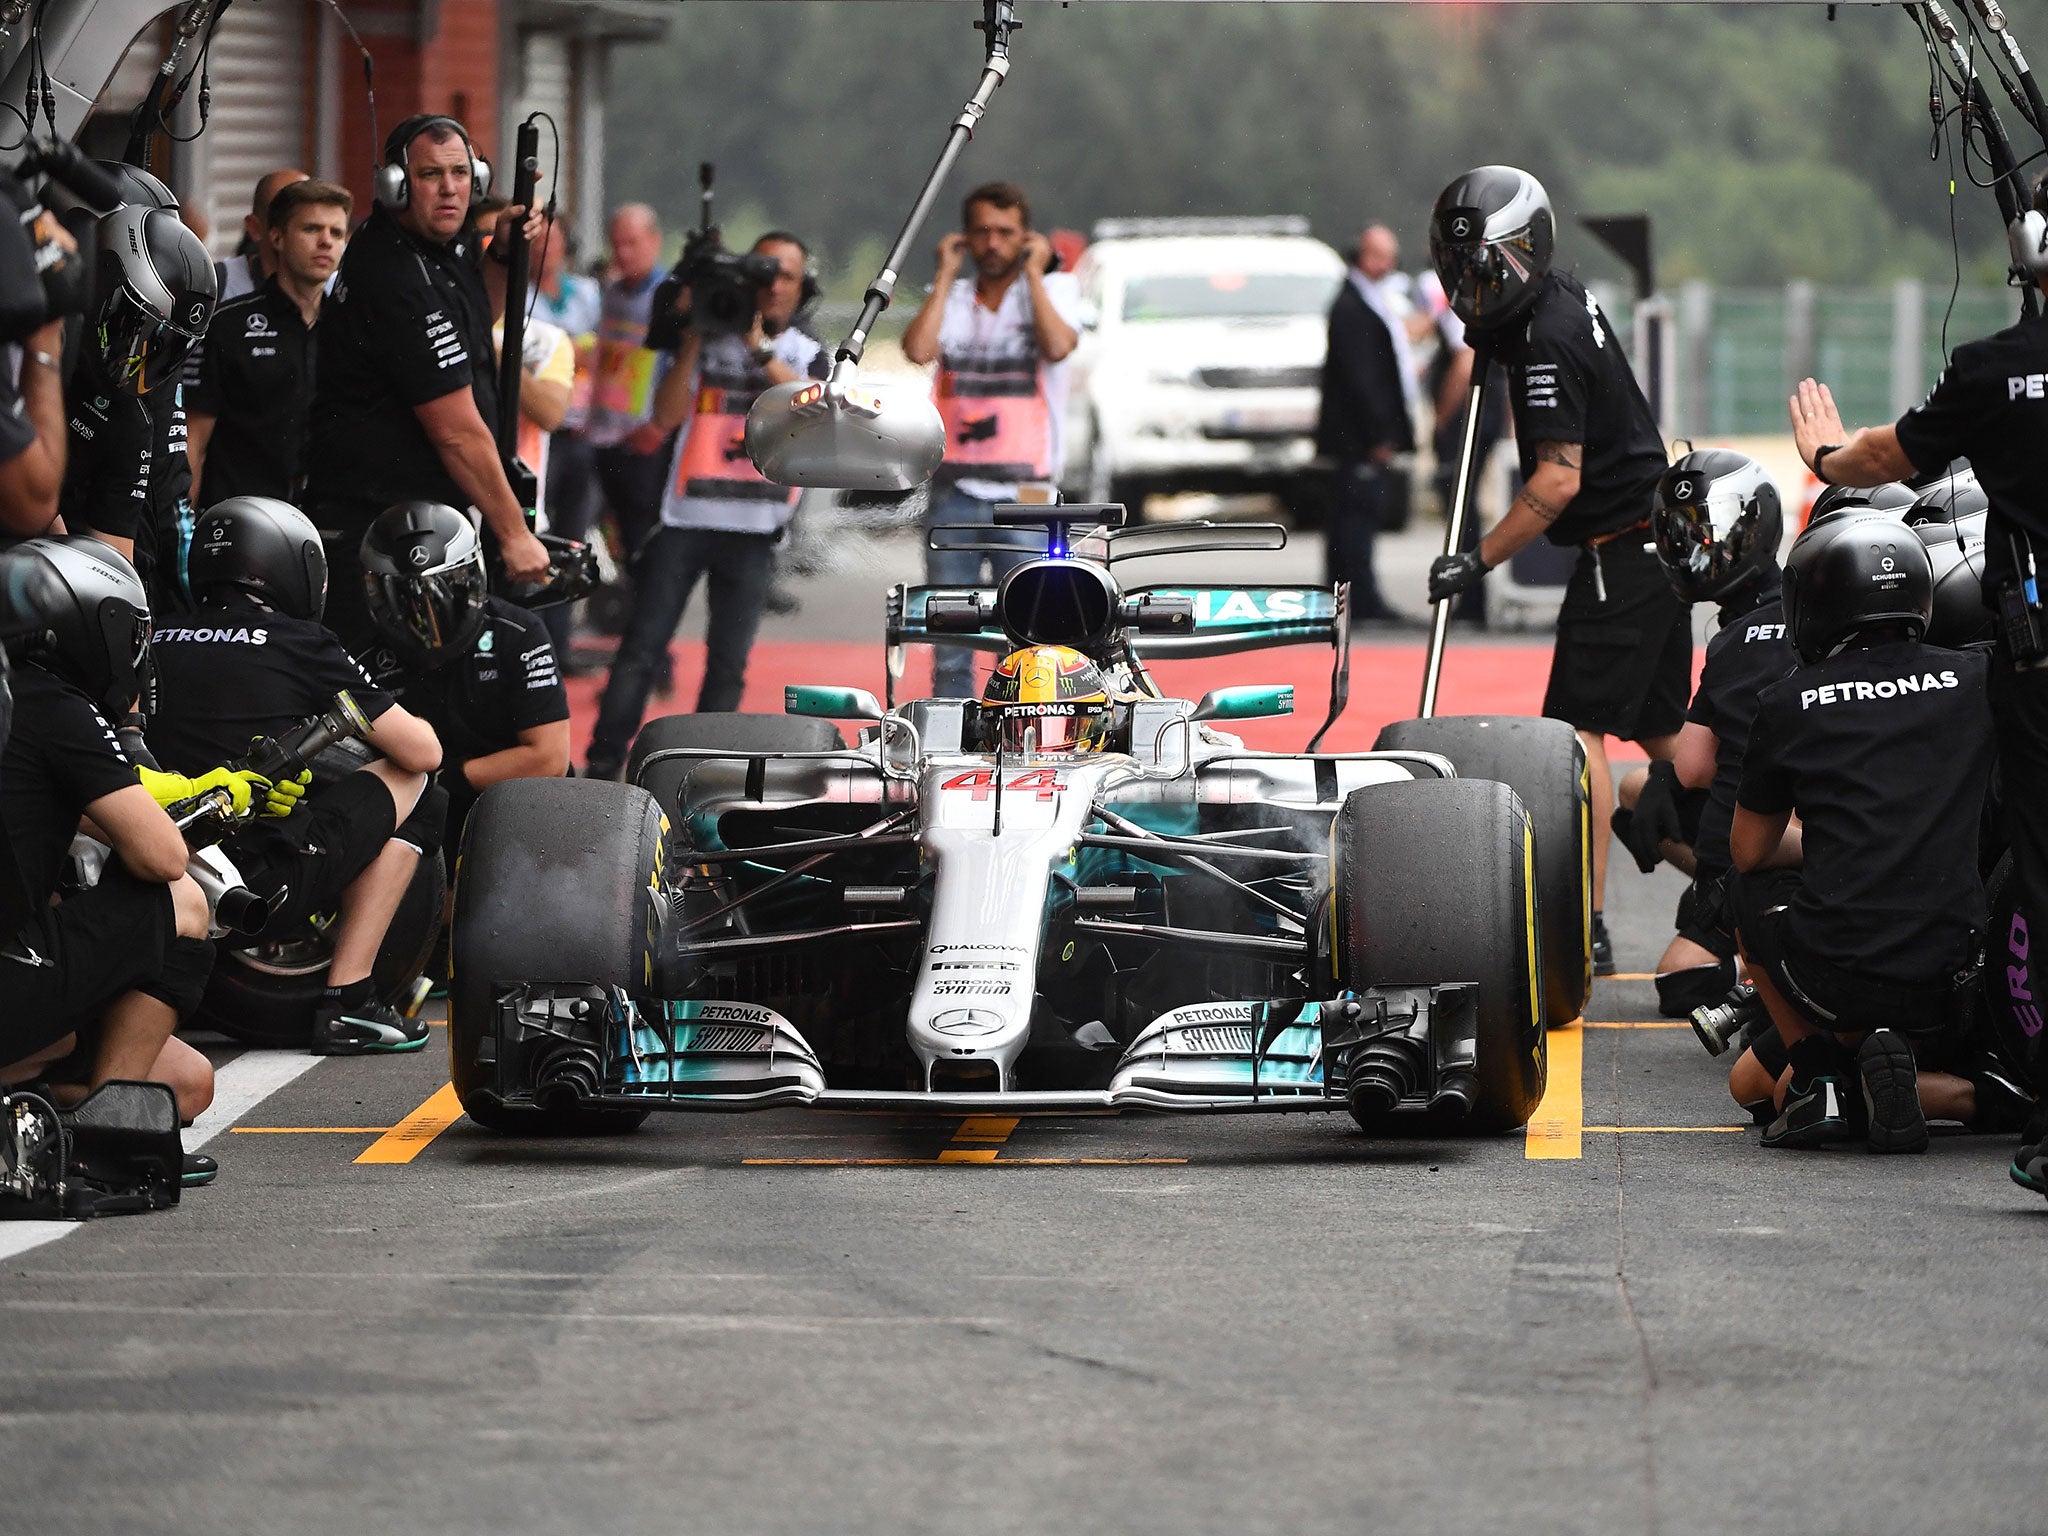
x: 944, y: 915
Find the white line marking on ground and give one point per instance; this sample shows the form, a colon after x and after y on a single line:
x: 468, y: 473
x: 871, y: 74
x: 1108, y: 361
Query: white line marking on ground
x: 238, y: 1088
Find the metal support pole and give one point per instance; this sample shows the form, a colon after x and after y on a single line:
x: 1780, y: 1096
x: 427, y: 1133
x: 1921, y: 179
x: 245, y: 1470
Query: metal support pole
x: 1454, y: 527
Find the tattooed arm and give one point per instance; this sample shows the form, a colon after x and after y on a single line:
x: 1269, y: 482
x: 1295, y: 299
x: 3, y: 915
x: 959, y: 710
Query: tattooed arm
x: 1542, y: 501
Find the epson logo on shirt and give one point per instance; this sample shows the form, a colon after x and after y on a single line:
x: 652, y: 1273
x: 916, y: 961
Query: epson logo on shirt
x: 1889, y: 688
x: 1763, y: 632
x: 1539, y: 381
x: 2033, y: 385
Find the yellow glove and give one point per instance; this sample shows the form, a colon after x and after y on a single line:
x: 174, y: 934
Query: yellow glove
x: 282, y: 797
x: 169, y: 789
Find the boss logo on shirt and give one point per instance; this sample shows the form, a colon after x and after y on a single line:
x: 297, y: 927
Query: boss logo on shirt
x: 1889, y: 688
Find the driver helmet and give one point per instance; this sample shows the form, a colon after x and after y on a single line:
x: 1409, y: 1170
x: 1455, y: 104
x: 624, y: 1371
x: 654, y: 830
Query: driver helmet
x: 423, y: 568
x: 1048, y: 698
x: 153, y: 297
x: 1491, y: 236
x: 94, y: 630
x: 1717, y: 521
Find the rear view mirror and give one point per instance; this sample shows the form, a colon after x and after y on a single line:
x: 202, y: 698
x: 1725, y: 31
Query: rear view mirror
x: 1249, y: 703
x: 846, y: 435
x: 830, y: 703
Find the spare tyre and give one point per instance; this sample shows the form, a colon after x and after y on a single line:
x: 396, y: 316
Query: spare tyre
x: 724, y: 732
x: 1544, y: 763
x: 557, y: 881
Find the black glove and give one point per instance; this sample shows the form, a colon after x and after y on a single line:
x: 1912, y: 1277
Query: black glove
x: 1656, y: 820
x: 1451, y: 574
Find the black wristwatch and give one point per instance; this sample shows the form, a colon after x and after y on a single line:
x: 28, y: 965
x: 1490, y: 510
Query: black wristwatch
x: 1819, y: 454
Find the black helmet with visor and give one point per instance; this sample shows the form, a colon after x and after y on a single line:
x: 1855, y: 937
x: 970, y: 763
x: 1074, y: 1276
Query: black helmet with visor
x: 153, y: 297
x: 95, y: 633
x: 1717, y: 521
x: 1491, y: 237
x: 423, y: 568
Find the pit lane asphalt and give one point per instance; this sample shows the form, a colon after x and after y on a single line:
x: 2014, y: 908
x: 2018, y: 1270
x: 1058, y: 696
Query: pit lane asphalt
x: 1278, y: 1325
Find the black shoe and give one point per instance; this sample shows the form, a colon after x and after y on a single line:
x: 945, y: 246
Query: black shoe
x: 199, y: 1169
x: 364, y: 1029
x: 599, y: 766
x: 1891, y: 1094
x: 1603, y: 947
x: 2030, y: 1163
x: 781, y: 600
x: 1815, y: 1115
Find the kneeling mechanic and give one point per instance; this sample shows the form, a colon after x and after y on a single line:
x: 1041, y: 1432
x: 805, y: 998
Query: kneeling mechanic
x: 253, y: 661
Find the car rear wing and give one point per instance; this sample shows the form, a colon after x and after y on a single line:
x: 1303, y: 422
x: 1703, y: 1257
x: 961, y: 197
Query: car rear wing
x: 1226, y: 621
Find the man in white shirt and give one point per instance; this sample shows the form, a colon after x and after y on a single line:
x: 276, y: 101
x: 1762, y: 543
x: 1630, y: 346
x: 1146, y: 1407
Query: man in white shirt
x: 1000, y: 337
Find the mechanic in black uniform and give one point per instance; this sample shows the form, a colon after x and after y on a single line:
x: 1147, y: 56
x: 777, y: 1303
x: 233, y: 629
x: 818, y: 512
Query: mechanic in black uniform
x: 406, y: 403
x: 126, y: 477
x: 1990, y: 405
x: 1717, y: 524
x: 250, y: 383
x: 1856, y: 924
x: 1590, y: 457
x: 253, y: 660
x: 106, y: 973
x: 480, y: 670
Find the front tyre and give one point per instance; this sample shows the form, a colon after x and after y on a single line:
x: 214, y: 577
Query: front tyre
x: 1435, y: 882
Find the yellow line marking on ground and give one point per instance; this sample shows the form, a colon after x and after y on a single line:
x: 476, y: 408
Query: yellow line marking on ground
x: 1657, y: 1130
x: 995, y: 1128
x: 311, y: 1130
x: 989, y: 1161
x: 1645, y: 1024
x: 968, y: 1155
x: 409, y: 1138
x: 1554, y: 1128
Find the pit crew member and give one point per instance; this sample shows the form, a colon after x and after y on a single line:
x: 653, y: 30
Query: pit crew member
x: 253, y: 661
x: 1590, y: 457
x: 999, y: 338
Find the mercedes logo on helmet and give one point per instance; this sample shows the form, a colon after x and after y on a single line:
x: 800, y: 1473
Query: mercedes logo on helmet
x: 1461, y: 227
x: 417, y: 554
x: 198, y: 316
x: 1682, y: 490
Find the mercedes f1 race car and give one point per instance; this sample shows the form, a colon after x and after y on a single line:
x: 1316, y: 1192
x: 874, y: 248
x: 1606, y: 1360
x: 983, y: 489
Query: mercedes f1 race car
x: 1072, y: 894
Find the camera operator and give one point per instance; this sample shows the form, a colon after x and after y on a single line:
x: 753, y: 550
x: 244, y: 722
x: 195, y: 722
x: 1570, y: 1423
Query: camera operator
x: 1717, y: 520
x: 253, y: 661
x: 719, y: 518
x: 999, y: 343
x: 250, y: 383
x: 406, y: 402
x: 104, y: 975
x: 127, y: 478
x: 478, y: 669
x: 1591, y: 454
x: 1856, y: 925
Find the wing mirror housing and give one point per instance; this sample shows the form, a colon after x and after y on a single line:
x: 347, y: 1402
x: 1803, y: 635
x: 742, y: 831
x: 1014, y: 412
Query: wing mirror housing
x: 1253, y: 702
x: 846, y: 435
x: 830, y: 703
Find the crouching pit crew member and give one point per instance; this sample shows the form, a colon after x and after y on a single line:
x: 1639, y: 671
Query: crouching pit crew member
x: 100, y: 978
x: 719, y: 518
x: 1590, y: 457
x: 1856, y: 923
x: 254, y: 661
x: 405, y: 402
x: 1717, y: 523
x: 478, y: 669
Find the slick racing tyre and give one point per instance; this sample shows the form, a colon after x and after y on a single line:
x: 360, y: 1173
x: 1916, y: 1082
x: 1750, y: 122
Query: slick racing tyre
x: 1543, y: 762
x: 1435, y: 882
x: 729, y: 733
x: 556, y: 882
x: 265, y: 996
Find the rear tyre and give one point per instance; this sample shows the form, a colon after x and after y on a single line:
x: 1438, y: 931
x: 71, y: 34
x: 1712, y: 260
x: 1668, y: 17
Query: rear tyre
x: 1435, y: 882
x: 726, y: 732
x: 556, y: 882
x: 1544, y: 763
x: 266, y: 997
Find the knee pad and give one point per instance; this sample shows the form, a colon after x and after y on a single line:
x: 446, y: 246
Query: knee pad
x: 425, y: 828
x: 1697, y: 986
x: 1769, y: 1050
x: 182, y: 981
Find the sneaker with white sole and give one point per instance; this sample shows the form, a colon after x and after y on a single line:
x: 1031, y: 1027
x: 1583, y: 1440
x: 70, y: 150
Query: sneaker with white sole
x: 1815, y: 1115
x: 365, y: 1029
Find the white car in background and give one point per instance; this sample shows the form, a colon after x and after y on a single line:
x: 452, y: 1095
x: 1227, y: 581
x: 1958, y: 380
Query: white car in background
x: 1200, y: 367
